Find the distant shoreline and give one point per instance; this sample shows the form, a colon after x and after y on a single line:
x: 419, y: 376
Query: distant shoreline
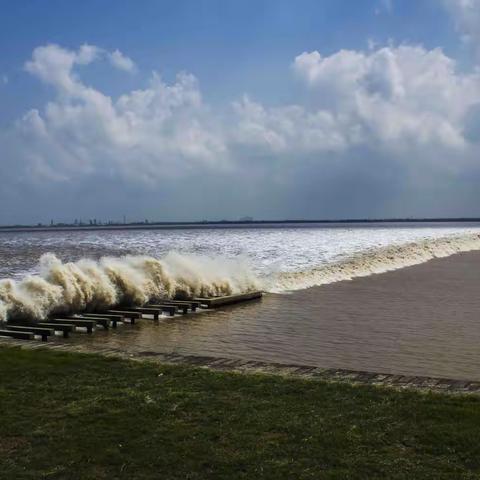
x: 225, y: 224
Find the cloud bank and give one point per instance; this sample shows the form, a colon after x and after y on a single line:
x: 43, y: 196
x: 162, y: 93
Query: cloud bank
x: 394, y: 130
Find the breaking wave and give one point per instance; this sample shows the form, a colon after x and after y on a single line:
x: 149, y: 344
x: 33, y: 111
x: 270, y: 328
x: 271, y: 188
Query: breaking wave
x: 373, y: 261
x: 88, y: 285
x: 131, y: 280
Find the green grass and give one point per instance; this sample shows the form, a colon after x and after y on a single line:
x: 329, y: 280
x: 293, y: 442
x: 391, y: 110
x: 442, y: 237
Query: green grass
x: 71, y: 416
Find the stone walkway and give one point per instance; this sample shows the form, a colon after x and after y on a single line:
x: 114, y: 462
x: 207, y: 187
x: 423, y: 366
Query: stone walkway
x: 255, y: 367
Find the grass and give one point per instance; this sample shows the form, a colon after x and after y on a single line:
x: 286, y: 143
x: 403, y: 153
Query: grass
x: 72, y: 416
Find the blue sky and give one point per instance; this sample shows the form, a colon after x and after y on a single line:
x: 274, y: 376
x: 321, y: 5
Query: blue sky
x: 286, y: 130
x: 232, y: 47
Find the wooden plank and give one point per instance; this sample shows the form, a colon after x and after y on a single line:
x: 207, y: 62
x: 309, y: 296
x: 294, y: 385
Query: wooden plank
x: 228, y: 300
x: 88, y: 324
x: 190, y: 303
x: 42, y: 331
x: 132, y: 316
x: 186, y: 302
x: 18, y: 335
x: 171, y: 309
x: 104, y: 322
x: 59, y: 327
x: 182, y: 307
x: 146, y: 311
x: 113, y: 318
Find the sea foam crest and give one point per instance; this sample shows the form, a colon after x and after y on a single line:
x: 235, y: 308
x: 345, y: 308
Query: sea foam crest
x: 376, y: 260
x: 130, y: 280
x: 135, y: 280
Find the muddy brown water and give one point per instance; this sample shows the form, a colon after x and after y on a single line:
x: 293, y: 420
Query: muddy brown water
x: 421, y: 320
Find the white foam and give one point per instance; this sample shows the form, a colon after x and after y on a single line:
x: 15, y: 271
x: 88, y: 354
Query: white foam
x: 128, y: 280
x: 135, y: 280
x: 374, y: 260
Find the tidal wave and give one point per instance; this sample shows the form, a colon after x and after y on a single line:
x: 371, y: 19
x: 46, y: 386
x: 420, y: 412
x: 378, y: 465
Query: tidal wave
x: 89, y: 285
x: 372, y: 261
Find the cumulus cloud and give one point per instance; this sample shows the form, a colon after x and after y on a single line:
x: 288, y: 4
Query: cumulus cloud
x: 395, y: 118
x: 122, y: 62
x: 55, y: 65
x: 393, y: 94
x: 138, y: 135
x: 466, y: 14
x: 289, y: 129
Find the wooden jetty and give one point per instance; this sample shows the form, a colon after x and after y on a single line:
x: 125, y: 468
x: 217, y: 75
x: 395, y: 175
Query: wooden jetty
x: 228, y: 300
x: 59, y: 327
x: 19, y: 335
x: 43, y: 332
x: 88, y: 324
x: 67, y: 324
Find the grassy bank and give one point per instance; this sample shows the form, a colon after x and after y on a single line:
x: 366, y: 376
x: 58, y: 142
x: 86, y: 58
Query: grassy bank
x: 66, y: 416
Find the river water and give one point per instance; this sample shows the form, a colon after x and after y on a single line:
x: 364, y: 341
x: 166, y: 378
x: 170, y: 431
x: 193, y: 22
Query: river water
x: 419, y: 320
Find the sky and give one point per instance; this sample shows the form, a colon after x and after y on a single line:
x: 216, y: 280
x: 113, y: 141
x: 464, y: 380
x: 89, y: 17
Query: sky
x: 188, y: 110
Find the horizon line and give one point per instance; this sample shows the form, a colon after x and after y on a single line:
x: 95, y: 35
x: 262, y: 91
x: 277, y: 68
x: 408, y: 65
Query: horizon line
x: 145, y: 225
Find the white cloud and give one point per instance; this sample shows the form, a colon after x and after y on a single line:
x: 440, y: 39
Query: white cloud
x: 466, y: 14
x: 87, y: 54
x: 397, y: 108
x: 404, y: 93
x: 138, y: 136
x: 289, y: 129
x: 387, y: 99
x: 55, y: 65
x: 122, y: 62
